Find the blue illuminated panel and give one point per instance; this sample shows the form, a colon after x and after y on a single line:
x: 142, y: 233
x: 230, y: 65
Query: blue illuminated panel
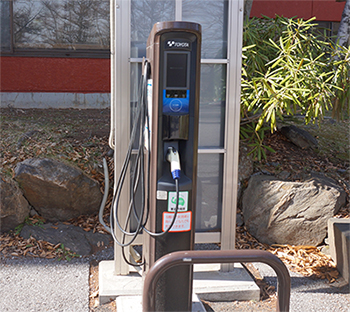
x: 176, y: 102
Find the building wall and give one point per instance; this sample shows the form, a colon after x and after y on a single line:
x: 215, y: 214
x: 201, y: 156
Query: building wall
x: 24, y: 77
x: 323, y: 10
x: 46, y: 74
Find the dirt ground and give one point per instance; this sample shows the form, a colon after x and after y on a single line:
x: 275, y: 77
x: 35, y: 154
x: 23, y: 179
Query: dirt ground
x: 80, y: 138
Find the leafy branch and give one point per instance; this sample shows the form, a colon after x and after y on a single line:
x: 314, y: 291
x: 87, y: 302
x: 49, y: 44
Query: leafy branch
x: 290, y: 68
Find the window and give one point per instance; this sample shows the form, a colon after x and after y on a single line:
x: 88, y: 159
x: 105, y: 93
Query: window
x: 54, y: 25
x: 5, y: 29
x: 212, y: 15
x: 144, y: 13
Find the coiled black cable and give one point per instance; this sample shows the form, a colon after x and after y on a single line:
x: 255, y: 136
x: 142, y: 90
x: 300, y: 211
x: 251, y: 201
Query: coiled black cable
x: 137, y: 178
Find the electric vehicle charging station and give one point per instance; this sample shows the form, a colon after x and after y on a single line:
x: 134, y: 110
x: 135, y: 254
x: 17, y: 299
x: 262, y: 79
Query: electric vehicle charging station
x: 173, y: 53
x: 165, y: 169
x: 128, y: 46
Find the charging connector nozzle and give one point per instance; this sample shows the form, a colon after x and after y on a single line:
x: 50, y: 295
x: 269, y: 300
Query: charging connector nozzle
x: 174, y: 158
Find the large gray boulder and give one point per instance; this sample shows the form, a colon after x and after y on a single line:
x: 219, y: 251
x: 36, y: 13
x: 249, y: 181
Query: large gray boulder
x: 57, y: 191
x: 299, y: 137
x: 293, y: 213
x: 14, y: 208
x: 73, y: 237
x: 245, y: 164
x: 245, y: 167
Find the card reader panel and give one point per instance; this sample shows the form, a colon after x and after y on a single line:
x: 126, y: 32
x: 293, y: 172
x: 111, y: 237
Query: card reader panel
x: 175, y: 86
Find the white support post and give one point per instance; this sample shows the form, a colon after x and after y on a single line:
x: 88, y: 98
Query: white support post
x: 120, y: 95
x: 234, y: 55
x: 178, y: 10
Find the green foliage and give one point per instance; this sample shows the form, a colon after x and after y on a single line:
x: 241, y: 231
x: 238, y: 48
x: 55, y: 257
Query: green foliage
x: 29, y: 221
x: 289, y: 69
x: 255, y: 139
x: 342, y: 80
x: 65, y: 253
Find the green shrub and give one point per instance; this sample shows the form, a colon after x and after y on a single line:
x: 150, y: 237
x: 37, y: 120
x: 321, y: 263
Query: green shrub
x: 290, y: 69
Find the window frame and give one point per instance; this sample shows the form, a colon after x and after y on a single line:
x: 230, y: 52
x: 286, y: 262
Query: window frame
x: 10, y: 51
x: 37, y: 52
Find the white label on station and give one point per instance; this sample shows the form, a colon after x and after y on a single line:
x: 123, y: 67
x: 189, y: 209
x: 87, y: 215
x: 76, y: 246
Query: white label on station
x: 182, y: 223
x: 183, y: 201
x: 162, y: 195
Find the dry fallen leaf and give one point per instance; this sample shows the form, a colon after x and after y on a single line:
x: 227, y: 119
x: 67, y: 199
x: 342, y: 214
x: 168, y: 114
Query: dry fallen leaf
x: 94, y: 294
x: 306, y: 260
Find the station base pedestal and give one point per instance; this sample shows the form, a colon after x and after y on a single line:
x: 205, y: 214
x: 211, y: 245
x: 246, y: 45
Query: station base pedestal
x: 209, y: 283
x: 134, y: 303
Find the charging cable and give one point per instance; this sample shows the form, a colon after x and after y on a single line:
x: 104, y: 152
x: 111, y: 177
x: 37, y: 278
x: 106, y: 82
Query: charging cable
x: 173, y: 158
x: 138, y: 176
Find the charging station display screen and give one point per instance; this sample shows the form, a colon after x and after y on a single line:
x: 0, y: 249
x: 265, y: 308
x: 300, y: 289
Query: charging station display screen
x: 176, y: 70
x: 176, y: 93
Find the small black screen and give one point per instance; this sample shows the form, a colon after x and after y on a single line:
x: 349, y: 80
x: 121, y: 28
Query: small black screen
x: 176, y: 70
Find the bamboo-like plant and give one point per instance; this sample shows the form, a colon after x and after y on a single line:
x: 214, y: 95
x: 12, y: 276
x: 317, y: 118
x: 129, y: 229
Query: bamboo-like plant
x: 288, y: 68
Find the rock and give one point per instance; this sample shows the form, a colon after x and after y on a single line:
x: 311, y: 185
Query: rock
x: 26, y: 136
x: 57, y: 191
x: 245, y: 163
x: 293, y: 213
x: 73, y: 237
x: 14, y: 208
x: 239, y: 219
x: 299, y: 137
x: 245, y: 167
x: 33, y: 212
x: 283, y: 175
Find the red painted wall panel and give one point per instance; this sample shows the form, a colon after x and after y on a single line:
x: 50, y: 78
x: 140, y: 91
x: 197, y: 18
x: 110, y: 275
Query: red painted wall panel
x: 31, y: 74
x: 286, y: 8
x: 323, y: 10
x: 327, y: 10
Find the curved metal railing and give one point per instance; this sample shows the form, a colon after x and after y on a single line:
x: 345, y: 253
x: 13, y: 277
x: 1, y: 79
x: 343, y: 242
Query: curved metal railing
x: 216, y: 256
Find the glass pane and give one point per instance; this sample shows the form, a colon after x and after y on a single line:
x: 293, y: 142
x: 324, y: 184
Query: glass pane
x: 61, y: 24
x: 144, y: 14
x: 5, y: 20
x: 209, y: 192
x: 212, y: 15
x: 212, y: 106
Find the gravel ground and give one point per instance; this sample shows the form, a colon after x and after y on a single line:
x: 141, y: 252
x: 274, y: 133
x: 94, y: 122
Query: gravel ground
x: 44, y: 285
x: 312, y: 295
x: 307, y: 295
x: 28, y: 284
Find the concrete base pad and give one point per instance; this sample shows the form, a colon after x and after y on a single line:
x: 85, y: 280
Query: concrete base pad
x: 134, y: 303
x: 208, y: 283
x: 111, y: 286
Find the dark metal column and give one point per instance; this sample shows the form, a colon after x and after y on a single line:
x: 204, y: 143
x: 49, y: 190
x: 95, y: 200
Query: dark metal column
x: 173, y: 51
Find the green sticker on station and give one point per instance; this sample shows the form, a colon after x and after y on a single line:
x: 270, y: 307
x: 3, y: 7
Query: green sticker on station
x: 183, y: 201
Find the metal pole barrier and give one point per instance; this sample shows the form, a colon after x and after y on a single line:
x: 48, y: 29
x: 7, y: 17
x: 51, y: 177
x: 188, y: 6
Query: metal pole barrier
x: 216, y: 256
